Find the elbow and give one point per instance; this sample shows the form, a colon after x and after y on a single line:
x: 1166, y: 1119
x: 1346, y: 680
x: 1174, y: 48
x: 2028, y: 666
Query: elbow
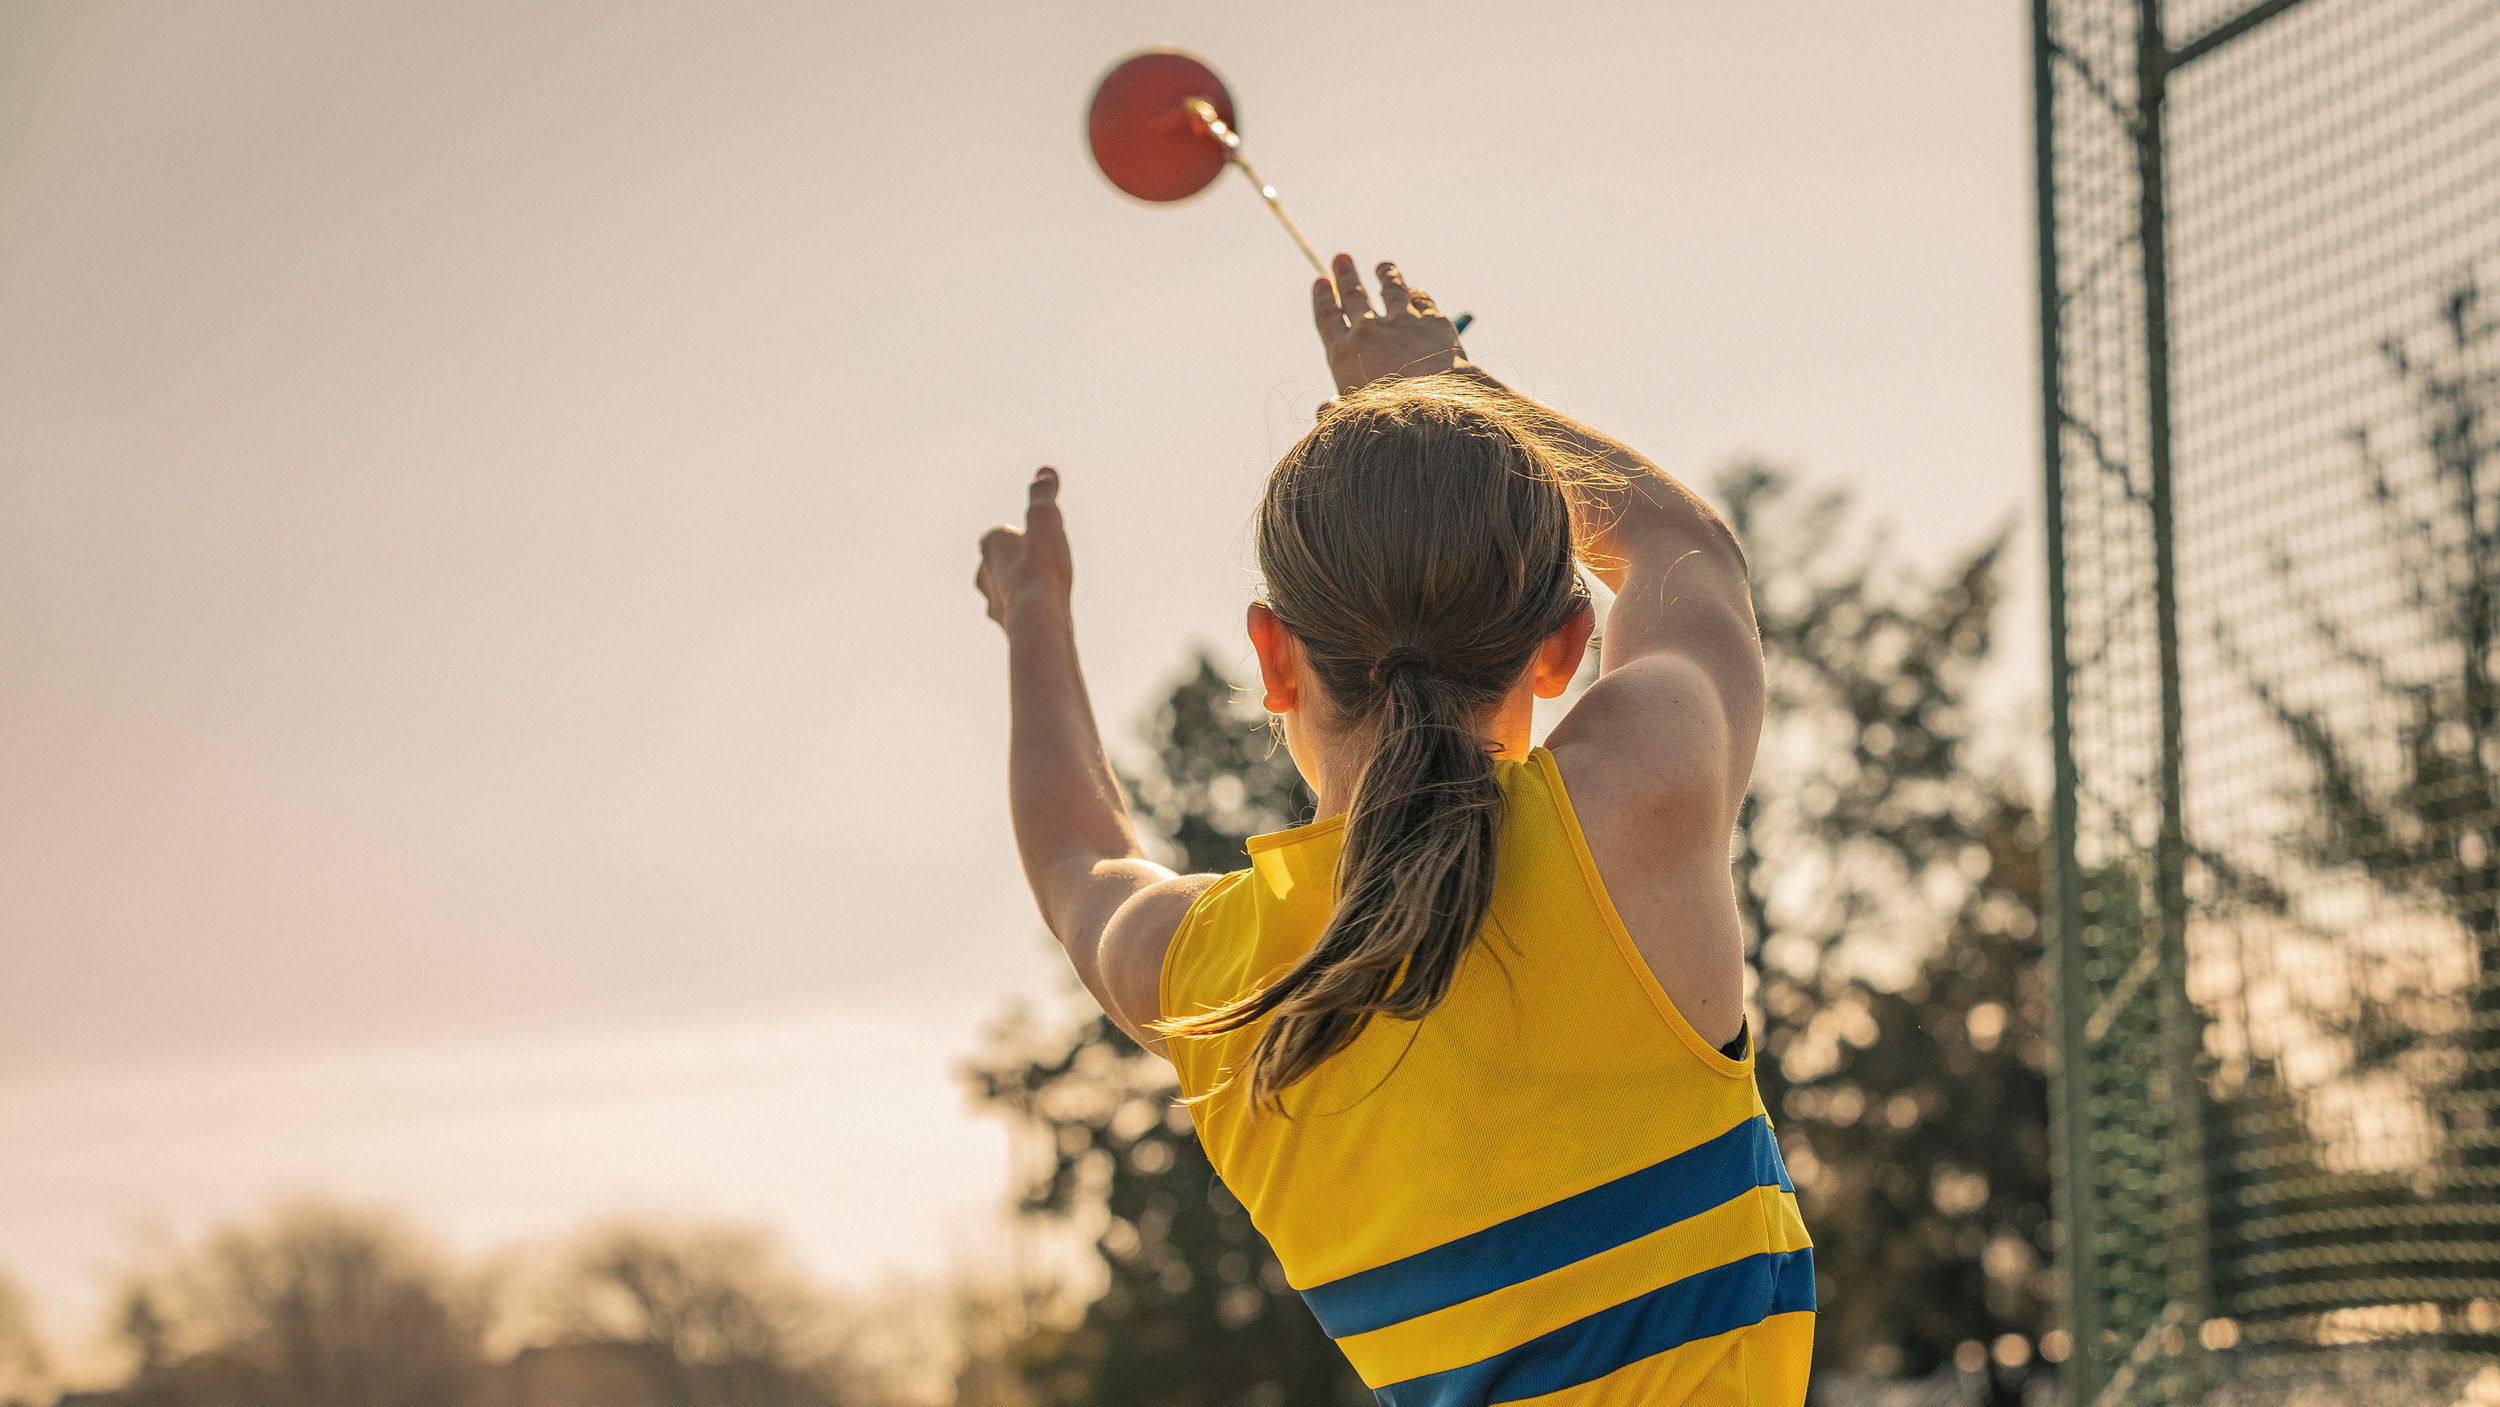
x: 1721, y: 541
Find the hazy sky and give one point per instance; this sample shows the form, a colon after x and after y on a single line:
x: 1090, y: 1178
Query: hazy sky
x: 487, y: 491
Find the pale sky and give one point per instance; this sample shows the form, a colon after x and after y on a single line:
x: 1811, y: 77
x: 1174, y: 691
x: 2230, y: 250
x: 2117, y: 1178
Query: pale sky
x: 487, y: 497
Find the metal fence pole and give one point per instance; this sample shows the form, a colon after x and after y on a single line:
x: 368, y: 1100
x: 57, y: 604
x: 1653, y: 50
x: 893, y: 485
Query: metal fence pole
x: 2181, y: 1038
x: 2070, y: 1089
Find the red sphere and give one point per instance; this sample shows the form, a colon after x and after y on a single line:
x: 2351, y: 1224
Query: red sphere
x: 1146, y: 143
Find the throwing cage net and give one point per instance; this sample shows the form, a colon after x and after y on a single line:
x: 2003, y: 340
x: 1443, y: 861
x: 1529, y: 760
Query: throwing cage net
x: 2270, y: 283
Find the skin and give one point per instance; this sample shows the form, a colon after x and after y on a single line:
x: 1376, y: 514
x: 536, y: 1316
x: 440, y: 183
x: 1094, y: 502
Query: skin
x: 1655, y: 755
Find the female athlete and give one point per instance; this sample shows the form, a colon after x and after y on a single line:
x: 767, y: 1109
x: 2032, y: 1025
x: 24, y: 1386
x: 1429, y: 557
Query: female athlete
x: 1470, y: 1046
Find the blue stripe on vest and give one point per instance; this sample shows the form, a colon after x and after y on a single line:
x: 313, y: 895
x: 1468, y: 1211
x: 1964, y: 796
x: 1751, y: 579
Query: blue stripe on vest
x: 1733, y: 1296
x: 1555, y: 1235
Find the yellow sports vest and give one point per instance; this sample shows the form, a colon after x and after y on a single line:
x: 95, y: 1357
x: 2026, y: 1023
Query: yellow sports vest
x: 1549, y: 1188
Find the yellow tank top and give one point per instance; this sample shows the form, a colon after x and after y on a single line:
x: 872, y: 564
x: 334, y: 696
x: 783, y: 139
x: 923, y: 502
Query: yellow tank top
x: 1551, y: 1187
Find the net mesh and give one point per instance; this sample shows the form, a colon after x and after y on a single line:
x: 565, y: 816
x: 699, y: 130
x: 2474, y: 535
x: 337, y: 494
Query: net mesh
x: 2282, y: 1024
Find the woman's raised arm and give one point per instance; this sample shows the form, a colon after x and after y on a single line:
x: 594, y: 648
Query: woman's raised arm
x: 1678, y: 703
x: 1679, y: 695
x: 1114, y: 910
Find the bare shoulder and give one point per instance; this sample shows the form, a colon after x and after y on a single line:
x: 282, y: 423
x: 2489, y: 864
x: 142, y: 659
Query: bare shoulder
x: 1133, y: 949
x: 1662, y: 737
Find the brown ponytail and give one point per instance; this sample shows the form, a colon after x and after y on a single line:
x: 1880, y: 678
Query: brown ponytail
x: 1419, y: 543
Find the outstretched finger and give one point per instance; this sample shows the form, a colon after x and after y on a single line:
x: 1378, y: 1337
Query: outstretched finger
x: 1395, y: 300
x: 1357, y: 303
x: 1041, y: 507
x: 1326, y: 313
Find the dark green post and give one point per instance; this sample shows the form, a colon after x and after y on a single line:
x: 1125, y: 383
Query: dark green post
x: 2070, y: 1089
x: 2182, y: 1036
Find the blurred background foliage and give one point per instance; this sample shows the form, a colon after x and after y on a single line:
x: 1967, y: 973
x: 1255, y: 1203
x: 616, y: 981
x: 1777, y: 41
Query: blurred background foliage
x: 322, y: 1305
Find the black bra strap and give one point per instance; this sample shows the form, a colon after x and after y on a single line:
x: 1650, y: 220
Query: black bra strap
x: 1735, y: 1049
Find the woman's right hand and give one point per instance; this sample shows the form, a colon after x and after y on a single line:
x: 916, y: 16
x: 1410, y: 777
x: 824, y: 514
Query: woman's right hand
x: 1407, y: 337
x: 1027, y: 566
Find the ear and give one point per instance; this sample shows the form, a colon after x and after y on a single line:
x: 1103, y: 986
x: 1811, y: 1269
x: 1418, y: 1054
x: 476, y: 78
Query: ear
x: 1558, y: 659
x: 1278, y: 671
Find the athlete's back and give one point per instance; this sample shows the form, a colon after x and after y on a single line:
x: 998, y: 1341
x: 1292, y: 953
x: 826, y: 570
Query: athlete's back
x: 1549, y: 1185
x: 1454, y: 1043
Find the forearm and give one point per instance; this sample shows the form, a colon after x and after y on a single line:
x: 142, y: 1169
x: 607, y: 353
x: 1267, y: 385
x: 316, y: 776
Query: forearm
x: 1645, y: 518
x: 1069, y: 817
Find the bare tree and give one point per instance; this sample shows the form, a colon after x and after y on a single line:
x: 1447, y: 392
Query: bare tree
x: 2390, y: 701
x: 320, y: 1306
x: 2430, y: 828
x: 25, y: 1365
x: 714, y: 1314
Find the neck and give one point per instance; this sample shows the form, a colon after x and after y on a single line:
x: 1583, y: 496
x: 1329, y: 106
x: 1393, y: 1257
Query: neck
x: 1332, y: 761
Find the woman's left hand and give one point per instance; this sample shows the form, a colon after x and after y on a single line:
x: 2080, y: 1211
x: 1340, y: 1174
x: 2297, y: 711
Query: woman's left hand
x: 1407, y: 336
x: 1027, y: 567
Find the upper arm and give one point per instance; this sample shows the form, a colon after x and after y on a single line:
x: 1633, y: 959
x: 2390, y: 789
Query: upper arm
x: 1133, y: 946
x: 1677, y: 707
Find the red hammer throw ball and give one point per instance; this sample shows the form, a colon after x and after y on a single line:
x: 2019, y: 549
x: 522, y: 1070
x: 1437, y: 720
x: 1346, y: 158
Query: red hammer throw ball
x: 1144, y: 140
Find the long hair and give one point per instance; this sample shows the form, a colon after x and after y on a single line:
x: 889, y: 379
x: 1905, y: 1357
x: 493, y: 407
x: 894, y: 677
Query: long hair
x: 1419, y: 543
